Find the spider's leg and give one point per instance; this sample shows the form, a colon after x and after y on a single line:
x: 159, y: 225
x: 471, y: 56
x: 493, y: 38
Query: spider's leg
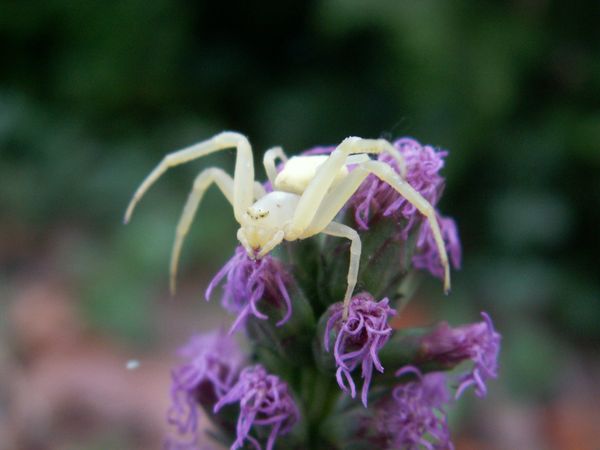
x: 340, y: 230
x: 340, y: 194
x: 244, y: 169
x: 335, y: 200
x: 201, y: 184
x: 269, y: 162
x: 319, y: 186
x: 387, y: 174
x: 395, y: 153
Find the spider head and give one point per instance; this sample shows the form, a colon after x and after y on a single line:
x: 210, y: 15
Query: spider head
x: 263, y: 223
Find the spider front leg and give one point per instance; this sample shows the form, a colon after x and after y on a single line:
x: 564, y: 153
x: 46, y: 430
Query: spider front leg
x: 243, y: 177
x: 202, y: 182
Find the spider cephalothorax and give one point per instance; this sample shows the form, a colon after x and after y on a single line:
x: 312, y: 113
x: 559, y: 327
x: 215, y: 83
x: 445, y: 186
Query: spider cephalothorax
x: 307, y: 194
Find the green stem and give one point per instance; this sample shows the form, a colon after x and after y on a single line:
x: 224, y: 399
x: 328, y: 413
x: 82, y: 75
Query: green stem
x: 319, y: 395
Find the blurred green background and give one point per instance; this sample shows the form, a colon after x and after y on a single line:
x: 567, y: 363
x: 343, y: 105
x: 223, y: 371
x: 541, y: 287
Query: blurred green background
x: 94, y: 93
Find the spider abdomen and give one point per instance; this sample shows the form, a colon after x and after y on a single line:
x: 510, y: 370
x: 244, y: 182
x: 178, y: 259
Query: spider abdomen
x: 300, y: 170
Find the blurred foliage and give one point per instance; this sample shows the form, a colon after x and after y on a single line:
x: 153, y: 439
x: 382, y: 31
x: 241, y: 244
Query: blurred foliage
x: 93, y: 94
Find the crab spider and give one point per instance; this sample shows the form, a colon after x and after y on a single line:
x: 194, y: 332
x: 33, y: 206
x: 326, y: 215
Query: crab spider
x: 307, y: 195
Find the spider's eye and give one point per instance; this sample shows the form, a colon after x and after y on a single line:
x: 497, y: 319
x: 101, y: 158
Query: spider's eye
x: 255, y: 215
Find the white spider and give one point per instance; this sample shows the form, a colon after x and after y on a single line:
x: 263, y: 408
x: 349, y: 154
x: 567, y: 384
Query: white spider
x: 307, y: 195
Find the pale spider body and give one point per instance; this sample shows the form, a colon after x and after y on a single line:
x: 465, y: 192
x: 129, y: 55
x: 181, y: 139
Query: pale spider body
x: 308, y: 193
x: 273, y: 213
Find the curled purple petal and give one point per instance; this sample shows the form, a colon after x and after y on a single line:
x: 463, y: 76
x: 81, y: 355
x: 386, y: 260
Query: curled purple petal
x: 484, y: 354
x: 478, y: 342
x: 415, y: 416
x: 212, y: 363
x: 250, y: 281
x: 358, y: 339
x: 264, y: 401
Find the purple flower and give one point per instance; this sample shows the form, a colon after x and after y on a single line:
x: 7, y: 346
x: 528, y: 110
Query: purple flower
x: 377, y: 198
x: 484, y: 349
x: 415, y: 417
x: 478, y: 342
x: 264, y: 401
x: 426, y: 253
x: 248, y: 282
x: 213, y: 362
x: 359, y: 339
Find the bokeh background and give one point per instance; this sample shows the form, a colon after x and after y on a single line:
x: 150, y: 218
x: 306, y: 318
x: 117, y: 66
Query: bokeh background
x: 94, y: 93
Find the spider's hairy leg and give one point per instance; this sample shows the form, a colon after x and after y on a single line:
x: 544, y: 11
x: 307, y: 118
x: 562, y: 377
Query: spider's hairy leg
x: 269, y: 162
x: 319, y: 186
x: 340, y: 230
x: 201, y: 184
x: 244, y: 169
x: 387, y: 174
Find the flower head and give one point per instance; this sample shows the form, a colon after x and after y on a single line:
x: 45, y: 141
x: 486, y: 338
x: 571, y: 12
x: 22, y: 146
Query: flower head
x: 264, y: 401
x: 377, y: 198
x: 248, y: 282
x: 426, y: 254
x: 415, y: 417
x: 484, y: 354
x: 478, y: 342
x: 212, y: 363
x: 359, y: 339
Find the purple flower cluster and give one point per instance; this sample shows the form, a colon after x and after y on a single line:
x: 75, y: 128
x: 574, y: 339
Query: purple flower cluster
x: 248, y: 282
x: 212, y: 364
x: 415, y: 417
x: 376, y: 198
x: 426, y: 253
x: 264, y: 401
x: 358, y: 339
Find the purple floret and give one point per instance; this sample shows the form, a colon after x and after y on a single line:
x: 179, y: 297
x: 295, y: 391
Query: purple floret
x: 376, y: 198
x: 415, y: 417
x: 484, y: 354
x: 359, y: 339
x: 212, y: 364
x: 264, y: 401
x: 426, y: 254
x: 250, y: 281
x: 478, y: 342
